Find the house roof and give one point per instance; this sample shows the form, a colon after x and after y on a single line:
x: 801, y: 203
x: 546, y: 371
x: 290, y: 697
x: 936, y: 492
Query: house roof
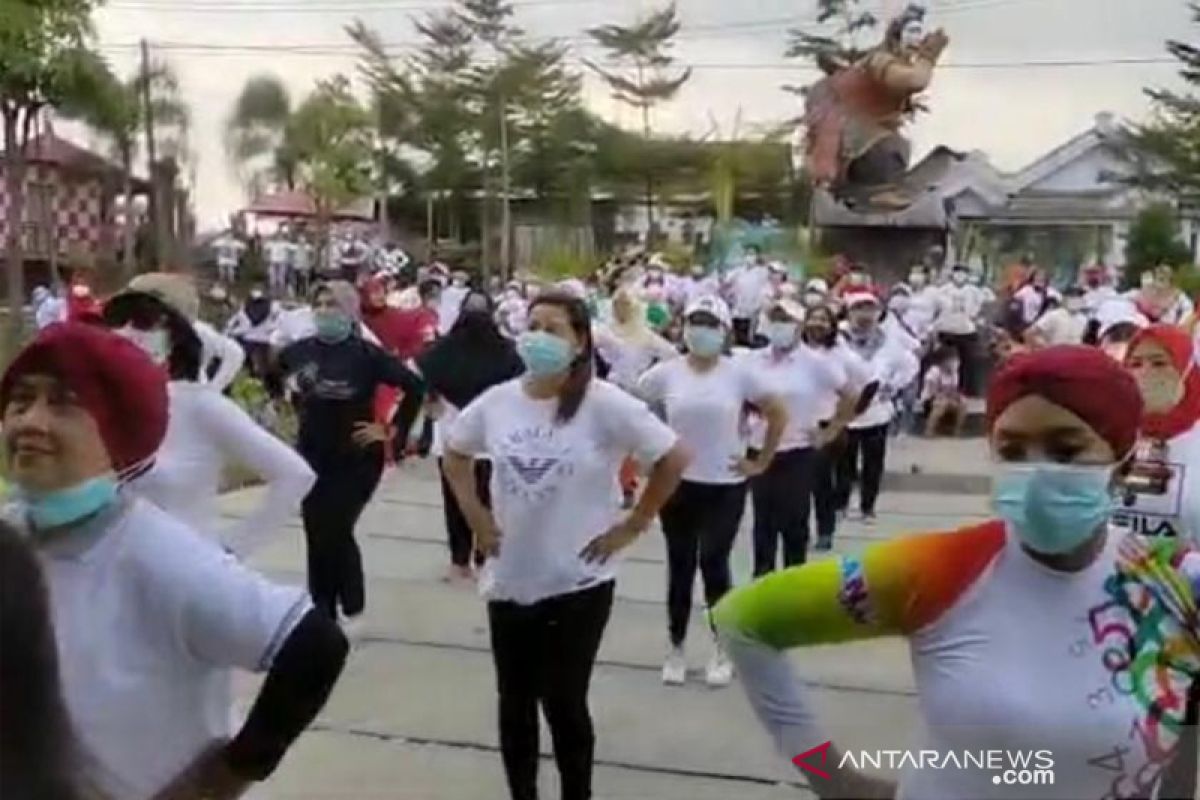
x: 51, y: 149
x: 1103, y: 132
x: 300, y: 205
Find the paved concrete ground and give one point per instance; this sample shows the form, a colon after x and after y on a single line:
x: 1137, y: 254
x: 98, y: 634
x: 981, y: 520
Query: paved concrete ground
x: 414, y: 714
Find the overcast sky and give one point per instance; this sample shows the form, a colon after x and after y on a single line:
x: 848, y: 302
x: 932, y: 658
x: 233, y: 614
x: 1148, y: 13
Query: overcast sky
x: 1013, y: 113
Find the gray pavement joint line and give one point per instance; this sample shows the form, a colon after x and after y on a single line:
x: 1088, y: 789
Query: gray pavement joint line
x: 480, y: 747
x: 371, y: 638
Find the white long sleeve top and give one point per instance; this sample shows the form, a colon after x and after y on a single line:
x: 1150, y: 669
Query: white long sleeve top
x: 207, y: 431
x: 218, y: 347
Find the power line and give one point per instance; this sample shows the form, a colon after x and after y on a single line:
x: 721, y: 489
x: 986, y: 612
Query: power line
x: 349, y: 49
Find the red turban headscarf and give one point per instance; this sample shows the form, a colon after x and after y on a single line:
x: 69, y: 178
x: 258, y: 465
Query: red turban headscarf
x: 117, y: 383
x: 1184, y: 416
x: 1082, y: 380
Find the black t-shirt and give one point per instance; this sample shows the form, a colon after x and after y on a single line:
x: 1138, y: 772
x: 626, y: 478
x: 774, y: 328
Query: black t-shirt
x: 337, y: 383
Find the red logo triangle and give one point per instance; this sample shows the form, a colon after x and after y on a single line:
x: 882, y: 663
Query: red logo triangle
x: 801, y: 760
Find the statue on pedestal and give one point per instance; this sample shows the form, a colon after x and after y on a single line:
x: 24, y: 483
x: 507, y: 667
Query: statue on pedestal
x: 853, y: 146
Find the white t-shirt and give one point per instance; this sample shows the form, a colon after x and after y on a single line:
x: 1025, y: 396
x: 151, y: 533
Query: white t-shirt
x: 921, y: 311
x: 895, y: 368
x: 628, y: 360
x: 1032, y: 301
x: 450, y: 306
x: 807, y: 382
x: 50, y: 311
x: 554, y: 485
x: 706, y: 410
x: 1060, y: 326
x: 151, y: 619
x: 958, y: 307
x: 278, y: 252
x: 229, y: 251
x: 241, y: 326
x: 206, y: 432
x: 746, y: 285
x: 1171, y: 508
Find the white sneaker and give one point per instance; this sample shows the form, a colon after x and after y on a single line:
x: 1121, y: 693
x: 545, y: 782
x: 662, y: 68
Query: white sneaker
x: 354, y: 628
x: 674, y: 671
x: 720, y: 669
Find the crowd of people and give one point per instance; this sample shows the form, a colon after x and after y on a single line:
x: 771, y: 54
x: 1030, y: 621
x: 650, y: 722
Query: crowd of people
x: 567, y: 418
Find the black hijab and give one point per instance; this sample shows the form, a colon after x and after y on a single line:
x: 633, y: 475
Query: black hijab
x: 473, y: 357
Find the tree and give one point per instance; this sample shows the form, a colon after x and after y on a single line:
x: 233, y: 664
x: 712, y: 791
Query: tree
x: 43, y: 51
x: 331, y: 133
x: 835, y: 46
x: 1154, y: 240
x: 115, y: 109
x: 1166, y: 151
x: 256, y: 135
x: 644, y: 82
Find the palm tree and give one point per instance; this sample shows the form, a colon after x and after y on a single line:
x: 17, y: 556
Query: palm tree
x: 116, y: 110
x: 259, y: 129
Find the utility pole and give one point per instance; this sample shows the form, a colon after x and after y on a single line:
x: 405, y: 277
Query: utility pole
x: 157, y: 222
x: 505, y: 210
x: 384, y: 225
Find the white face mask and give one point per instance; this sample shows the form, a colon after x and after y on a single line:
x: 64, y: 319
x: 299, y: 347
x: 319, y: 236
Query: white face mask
x: 813, y: 299
x: 958, y: 278
x: 916, y: 280
x: 155, y: 343
x: 1161, y: 392
x: 781, y: 335
x: 1149, y: 281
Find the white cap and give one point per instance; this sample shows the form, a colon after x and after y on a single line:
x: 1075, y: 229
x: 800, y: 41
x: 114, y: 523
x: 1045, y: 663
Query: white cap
x: 817, y: 285
x: 1119, y: 312
x: 791, y: 308
x: 710, y: 304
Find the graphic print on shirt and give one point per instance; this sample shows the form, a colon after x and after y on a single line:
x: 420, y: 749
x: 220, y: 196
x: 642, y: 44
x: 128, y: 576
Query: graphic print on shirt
x: 1151, y: 498
x: 1147, y: 629
x: 533, y: 462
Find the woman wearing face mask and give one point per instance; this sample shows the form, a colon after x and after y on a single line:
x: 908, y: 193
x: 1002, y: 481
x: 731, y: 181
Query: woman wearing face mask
x: 894, y: 369
x: 959, y: 306
x: 556, y: 437
x: 1066, y: 324
x: 150, y: 618
x: 1159, y: 300
x: 703, y: 398
x: 1161, y: 494
x: 806, y: 382
x: 253, y: 326
x: 820, y: 335
x: 1028, y: 632
x: 206, y: 434
x: 335, y: 375
x: 473, y: 357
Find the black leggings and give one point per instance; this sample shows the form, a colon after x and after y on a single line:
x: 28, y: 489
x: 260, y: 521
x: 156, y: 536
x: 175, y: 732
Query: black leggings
x: 544, y: 653
x: 458, y: 531
x: 966, y: 345
x: 781, y: 497
x: 700, y: 523
x: 344, y: 486
x: 872, y: 443
x: 824, y: 485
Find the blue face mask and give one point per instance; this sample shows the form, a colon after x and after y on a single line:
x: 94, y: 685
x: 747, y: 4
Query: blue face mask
x: 703, y: 340
x: 544, y: 353
x: 56, y: 509
x: 332, y: 326
x: 1053, y: 508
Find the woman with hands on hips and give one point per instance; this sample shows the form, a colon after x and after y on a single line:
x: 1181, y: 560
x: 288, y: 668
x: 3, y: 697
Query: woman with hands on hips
x: 556, y: 437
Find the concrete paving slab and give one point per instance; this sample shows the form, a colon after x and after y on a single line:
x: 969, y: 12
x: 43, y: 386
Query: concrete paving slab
x: 333, y: 764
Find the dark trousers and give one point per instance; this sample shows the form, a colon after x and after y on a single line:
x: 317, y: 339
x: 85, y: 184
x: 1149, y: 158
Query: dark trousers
x: 331, y: 510
x: 544, y: 654
x: 781, y: 498
x: 871, y: 445
x: 458, y: 531
x: 967, y: 347
x: 824, y: 483
x: 741, y: 333
x: 700, y: 523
